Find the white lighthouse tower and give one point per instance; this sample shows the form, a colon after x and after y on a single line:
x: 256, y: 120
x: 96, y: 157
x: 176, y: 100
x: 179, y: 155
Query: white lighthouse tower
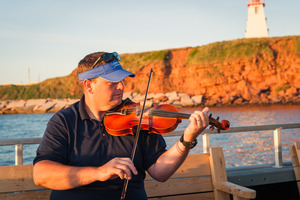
x: 256, y: 22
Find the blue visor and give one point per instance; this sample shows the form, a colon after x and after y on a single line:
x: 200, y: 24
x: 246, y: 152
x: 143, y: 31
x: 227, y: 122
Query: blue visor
x: 112, y: 72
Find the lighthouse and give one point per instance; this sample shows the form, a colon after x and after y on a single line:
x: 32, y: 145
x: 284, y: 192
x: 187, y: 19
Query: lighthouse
x: 256, y: 22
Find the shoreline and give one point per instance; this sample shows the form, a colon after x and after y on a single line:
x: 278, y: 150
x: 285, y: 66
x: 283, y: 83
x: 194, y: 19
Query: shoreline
x: 180, y: 100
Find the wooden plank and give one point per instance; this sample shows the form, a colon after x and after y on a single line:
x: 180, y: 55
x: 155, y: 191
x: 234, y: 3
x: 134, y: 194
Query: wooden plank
x: 297, y: 173
x: 236, y: 190
x: 238, y: 198
x: 199, y: 196
x: 17, y: 178
x: 217, y: 164
x: 178, y: 186
x: 295, y: 160
x: 194, y: 165
x: 16, y: 185
x: 34, y: 195
x: 294, y: 157
x: 297, y: 149
x: 218, y: 170
x: 16, y: 171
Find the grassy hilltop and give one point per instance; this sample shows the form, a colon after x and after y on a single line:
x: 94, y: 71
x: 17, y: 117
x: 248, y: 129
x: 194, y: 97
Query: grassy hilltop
x: 211, y: 66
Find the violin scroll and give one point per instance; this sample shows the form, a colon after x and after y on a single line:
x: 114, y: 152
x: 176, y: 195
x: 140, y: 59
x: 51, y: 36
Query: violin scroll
x: 223, y: 125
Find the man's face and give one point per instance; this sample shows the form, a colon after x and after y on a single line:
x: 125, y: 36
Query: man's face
x: 107, y: 95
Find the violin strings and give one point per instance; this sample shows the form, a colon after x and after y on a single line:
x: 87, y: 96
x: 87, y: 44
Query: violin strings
x: 165, y: 113
x: 160, y: 113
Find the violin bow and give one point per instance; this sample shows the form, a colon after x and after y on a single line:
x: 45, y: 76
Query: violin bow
x: 136, y: 137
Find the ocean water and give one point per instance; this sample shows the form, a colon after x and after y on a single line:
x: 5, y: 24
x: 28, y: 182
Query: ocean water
x: 21, y: 126
x: 240, y: 149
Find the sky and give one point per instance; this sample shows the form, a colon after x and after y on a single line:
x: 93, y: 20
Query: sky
x: 42, y: 39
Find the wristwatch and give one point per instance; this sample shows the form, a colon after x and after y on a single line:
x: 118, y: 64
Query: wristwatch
x: 188, y: 145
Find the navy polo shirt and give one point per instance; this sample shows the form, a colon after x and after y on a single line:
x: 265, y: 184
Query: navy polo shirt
x: 73, y: 138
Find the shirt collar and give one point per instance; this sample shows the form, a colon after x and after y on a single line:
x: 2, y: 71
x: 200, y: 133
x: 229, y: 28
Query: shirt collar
x: 83, y: 114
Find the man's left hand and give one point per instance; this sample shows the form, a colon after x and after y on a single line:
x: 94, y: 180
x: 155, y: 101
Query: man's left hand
x: 199, y: 122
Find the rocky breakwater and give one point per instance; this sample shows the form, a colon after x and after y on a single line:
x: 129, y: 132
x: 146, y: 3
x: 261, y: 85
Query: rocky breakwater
x: 178, y: 99
x: 34, y: 105
x: 54, y: 105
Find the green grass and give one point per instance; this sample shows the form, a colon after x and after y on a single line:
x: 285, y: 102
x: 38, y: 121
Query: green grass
x: 57, y: 88
x: 297, y: 44
x: 133, y: 62
x: 229, y: 50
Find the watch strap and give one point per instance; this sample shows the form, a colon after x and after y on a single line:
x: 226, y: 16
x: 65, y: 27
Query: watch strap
x: 188, y: 145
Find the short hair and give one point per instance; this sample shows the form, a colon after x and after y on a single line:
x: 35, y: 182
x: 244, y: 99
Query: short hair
x: 87, y: 63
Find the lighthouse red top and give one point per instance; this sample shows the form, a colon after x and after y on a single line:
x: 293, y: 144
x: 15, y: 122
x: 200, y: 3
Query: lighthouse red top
x: 256, y: 2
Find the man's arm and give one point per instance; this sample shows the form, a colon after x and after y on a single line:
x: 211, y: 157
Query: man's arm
x: 171, y: 160
x: 57, y: 176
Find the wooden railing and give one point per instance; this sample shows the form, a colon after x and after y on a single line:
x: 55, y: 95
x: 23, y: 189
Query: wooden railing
x: 18, y: 143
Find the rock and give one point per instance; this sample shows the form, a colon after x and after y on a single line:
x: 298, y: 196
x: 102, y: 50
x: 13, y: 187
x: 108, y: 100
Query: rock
x: 150, y: 95
x: 183, y: 95
x: 281, y: 93
x: 127, y: 95
x: 46, y: 107
x: 238, y: 101
x: 173, y: 96
x: 297, y: 99
x: 177, y: 103
x: 197, y: 100
x: 147, y: 104
x: 33, y: 104
x: 276, y: 100
x: 210, y: 103
x: 138, y: 98
x: 160, y: 97
x: 292, y: 91
x: 186, y: 100
x: 59, y: 105
x: 228, y: 99
x: 16, y: 104
x: 264, y: 98
x: 2, y: 104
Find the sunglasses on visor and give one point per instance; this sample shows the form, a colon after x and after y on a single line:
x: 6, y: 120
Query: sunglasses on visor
x: 107, y: 58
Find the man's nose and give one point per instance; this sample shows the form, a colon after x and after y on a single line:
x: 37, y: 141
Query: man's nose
x: 120, y: 85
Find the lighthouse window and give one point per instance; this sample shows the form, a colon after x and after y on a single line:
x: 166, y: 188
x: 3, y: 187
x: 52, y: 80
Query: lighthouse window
x: 256, y: 10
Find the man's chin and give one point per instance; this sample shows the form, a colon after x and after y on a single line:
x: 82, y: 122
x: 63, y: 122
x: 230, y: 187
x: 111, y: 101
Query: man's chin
x: 115, y: 103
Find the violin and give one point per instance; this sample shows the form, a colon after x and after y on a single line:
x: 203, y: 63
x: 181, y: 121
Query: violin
x: 159, y: 119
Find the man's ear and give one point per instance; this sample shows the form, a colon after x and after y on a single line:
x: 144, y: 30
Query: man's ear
x: 87, y: 84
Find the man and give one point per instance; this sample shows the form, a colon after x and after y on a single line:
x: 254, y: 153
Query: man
x: 78, y: 159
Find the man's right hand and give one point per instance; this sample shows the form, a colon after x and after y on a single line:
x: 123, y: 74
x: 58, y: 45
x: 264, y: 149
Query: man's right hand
x: 117, y: 167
